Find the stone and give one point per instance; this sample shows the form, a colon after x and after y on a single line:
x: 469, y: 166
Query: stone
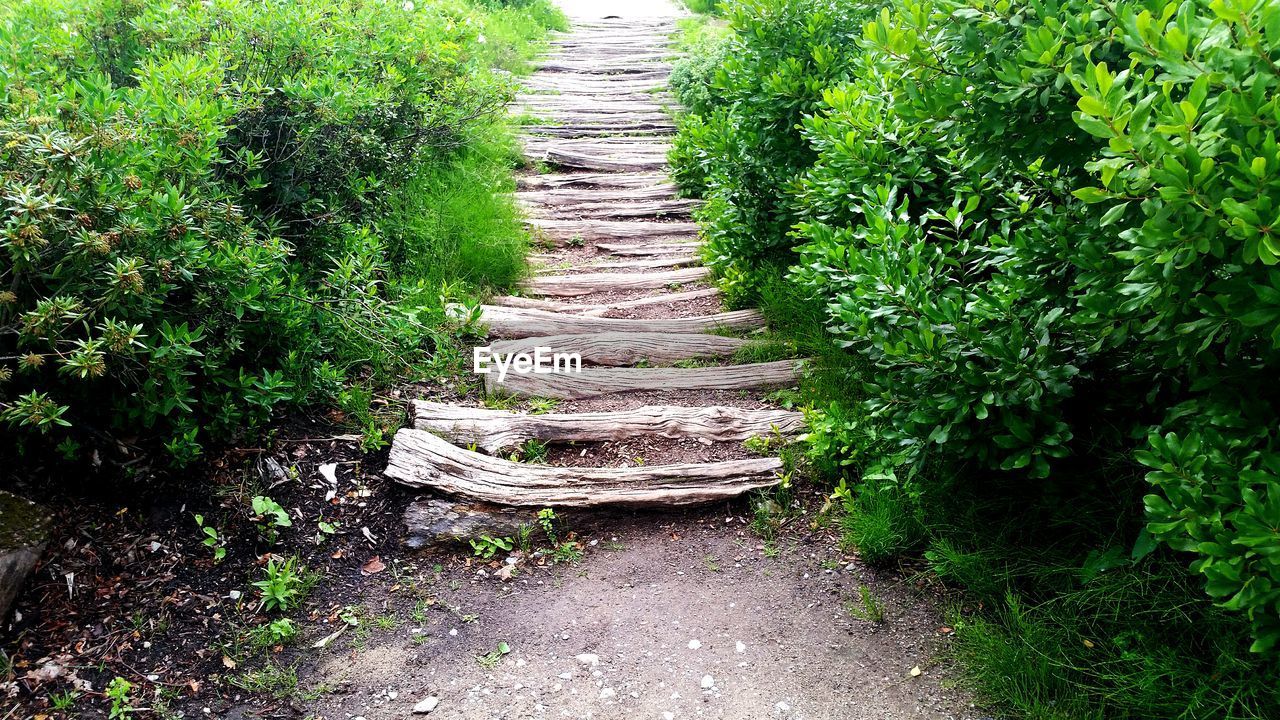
x: 427, y: 705
x: 24, y: 532
x: 588, y: 659
x: 708, y: 682
x: 608, y: 694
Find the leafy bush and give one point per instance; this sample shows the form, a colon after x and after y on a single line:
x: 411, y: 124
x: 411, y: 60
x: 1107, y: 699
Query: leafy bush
x: 193, y: 196
x: 1046, y: 233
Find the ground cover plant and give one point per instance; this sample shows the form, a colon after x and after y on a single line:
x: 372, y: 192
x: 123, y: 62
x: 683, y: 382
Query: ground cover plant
x: 1033, y: 245
x: 216, y: 209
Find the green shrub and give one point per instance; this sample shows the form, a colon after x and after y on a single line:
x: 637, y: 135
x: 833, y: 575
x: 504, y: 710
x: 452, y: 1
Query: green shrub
x: 193, y: 193
x: 1044, y: 232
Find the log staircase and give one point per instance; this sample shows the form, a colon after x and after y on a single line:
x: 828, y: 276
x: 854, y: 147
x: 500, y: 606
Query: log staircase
x: 622, y: 284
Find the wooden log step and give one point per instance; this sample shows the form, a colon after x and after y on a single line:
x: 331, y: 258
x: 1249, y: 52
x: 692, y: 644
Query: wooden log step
x: 520, y: 322
x: 599, y: 161
x: 613, y: 229
x: 651, y: 102
x: 564, y: 117
x: 619, y: 69
x: 594, y: 381
x: 651, y: 263
x: 651, y: 130
x: 422, y: 460
x: 581, y: 85
x: 615, y: 349
x: 496, y: 430
x: 625, y: 250
x: 436, y: 521
x: 616, y: 210
x: 600, y: 310
x: 656, y: 76
x: 552, y: 181
x: 587, y: 283
x: 570, y: 112
x: 575, y: 196
x: 620, y: 143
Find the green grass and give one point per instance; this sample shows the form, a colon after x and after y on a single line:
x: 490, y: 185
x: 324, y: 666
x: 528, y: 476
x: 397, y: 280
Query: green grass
x: 455, y: 221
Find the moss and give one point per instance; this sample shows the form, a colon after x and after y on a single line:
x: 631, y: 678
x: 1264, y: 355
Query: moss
x: 22, y: 522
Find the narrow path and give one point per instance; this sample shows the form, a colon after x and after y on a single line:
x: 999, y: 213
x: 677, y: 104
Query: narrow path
x: 674, y: 612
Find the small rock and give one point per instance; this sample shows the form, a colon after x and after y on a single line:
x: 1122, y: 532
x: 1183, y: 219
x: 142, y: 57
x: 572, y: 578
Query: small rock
x: 694, y: 644
x: 783, y: 707
x: 708, y: 682
x: 588, y: 659
x: 427, y: 705
x: 608, y: 694
x: 668, y: 715
x: 740, y: 647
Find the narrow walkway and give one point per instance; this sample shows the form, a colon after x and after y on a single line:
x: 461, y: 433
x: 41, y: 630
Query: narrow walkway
x: 678, y: 612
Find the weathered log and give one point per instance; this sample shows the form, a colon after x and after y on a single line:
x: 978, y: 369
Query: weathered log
x: 496, y: 430
x: 590, y: 180
x: 616, y: 211
x: 516, y: 322
x: 651, y: 263
x: 437, y: 521
x: 613, y: 229
x: 576, y: 196
x: 594, y: 381
x: 420, y: 459
x: 643, y: 101
x: 601, y: 161
x: 587, y: 283
x: 24, y: 532
x: 630, y: 348
x: 647, y: 249
x: 598, y: 310
x: 605, y: 68
x: 593, y: 130
x: 592, y: 108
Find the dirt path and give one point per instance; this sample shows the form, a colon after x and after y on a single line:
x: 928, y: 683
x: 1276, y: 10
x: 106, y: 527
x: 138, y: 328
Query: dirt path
x: 670, y: 613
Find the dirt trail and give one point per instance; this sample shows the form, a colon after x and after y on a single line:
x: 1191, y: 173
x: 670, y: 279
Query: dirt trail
x: 670, y: 613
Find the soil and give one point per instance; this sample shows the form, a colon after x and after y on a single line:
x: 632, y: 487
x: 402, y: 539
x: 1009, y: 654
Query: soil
x: 662, y: 600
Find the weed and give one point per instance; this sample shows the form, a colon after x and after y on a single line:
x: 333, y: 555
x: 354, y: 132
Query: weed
x: 531, y: 451
x: 419, y: 612
x: 64, y: 702
x: 868, y: 608
x: 212, y: 539
x: 485, y: 547
x: 279, y: 681
x: 524, y: 538
x: 282, y: 585
x: 280, y: 631
x: 711, y: 563
x: 118, y: 693
x: 547, y: 519
x: 491, y: 659
x: 567, y: 552
x: 270, y: 517
x: 541, y: 405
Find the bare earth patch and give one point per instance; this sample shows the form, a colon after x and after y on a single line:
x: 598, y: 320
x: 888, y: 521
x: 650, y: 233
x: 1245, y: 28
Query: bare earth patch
x: 659, y: 603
